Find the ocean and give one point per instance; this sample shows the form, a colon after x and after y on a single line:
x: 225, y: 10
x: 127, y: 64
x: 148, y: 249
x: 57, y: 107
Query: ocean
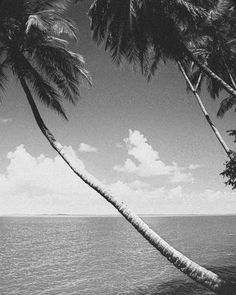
x: 67, y: 255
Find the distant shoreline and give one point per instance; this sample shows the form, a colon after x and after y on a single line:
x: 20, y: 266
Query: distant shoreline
x: 111, y: 215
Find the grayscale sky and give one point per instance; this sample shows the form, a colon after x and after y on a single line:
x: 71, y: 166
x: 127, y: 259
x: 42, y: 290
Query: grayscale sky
x: 147, y: 142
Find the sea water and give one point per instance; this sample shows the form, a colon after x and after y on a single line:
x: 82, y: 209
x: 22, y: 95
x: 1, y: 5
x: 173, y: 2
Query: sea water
x: 105, y: 255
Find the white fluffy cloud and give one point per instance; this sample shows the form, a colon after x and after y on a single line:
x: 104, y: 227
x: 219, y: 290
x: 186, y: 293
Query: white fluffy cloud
x: 148, y: 162
x: 43, y: 173
x: 194, y: 166
x: 84, y: 147
x: 5, y: 120
x: 40, y: 184
x: 35, y: 185
x: 162, y: 200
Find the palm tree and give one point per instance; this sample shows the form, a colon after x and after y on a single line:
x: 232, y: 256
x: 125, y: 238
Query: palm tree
x: 146, y: 31
x: 31, y: 48
x: 215, y: 46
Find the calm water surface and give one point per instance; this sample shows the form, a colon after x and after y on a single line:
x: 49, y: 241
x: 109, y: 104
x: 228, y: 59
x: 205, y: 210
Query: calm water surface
x: 105, y: 255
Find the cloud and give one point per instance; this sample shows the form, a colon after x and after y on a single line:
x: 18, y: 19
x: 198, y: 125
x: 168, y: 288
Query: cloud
x: 194, y: 166
x: 39, y: 184
x: 163, y: 200
x: 42, y: 173
x: 148, y: 162
x: 5, y: 120
x: 178, y: 174
x: 42, y: 185
x: 84, y: 147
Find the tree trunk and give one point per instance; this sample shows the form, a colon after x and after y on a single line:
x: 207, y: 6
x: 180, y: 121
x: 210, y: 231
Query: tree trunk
x: 215, y: 130
x: 210, y: 73
x: 190, y: 268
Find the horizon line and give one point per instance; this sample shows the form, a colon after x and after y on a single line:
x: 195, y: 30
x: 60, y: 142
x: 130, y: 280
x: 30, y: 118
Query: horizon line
x: 114, y: 215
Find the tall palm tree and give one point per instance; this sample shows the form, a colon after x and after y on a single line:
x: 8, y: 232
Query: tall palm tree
x: 215, y: 45
x: 146, y: 31
x: 31, y: 48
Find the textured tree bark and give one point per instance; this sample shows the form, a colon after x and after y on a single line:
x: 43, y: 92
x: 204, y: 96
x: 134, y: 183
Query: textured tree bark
x: 215, y: 130
x: 199, y: 274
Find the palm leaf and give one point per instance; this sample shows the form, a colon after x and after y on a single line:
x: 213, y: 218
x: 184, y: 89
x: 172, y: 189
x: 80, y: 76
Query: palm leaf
x: 219, y: 11
x: 52, y: 22
x: 59, y: 5
x: 58, y: 24
x: 35, y: 20
x: 45, y: 92
x: 71, y: 65
x: 226, y: 105
x: 132, y: 30
x: 65, y: 82
x: 3, y: 77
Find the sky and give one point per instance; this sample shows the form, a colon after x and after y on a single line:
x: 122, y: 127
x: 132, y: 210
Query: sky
x: 147, y: 142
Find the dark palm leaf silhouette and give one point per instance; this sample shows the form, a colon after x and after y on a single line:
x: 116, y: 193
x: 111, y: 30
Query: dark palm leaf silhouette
x: 144, y: 32
x: 31, y: 47
x: 217, y: 51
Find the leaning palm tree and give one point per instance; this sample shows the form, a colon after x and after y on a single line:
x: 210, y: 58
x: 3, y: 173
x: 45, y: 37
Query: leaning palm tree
x: 32, y: 49
x: 146, y: 31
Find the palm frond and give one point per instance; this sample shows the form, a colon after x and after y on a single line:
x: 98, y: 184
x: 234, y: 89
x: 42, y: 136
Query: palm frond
x: 58, y: 41
x: 59, y: 5
x: 226, y: 105
x: 64, y: 81
x: 154, y: 62
x: 131, y: 30
x: 35, y: 20
x: 71, y: 65
x: 53, y: 23
x: 184, y: 11
x: 3, y: 77
x: 45, y: 92
x: 64, y: 26
x: 219, y: 11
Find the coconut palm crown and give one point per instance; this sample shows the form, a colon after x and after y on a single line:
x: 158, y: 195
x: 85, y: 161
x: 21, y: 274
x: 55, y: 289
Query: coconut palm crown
x: 31, y: 47
x: 144, y: 32
x: 214, y: 43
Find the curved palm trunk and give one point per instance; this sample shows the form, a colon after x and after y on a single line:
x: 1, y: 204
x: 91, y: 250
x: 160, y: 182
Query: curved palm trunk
x: 215, y: 130
x: 193, y: 270
x: 210, y: 73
